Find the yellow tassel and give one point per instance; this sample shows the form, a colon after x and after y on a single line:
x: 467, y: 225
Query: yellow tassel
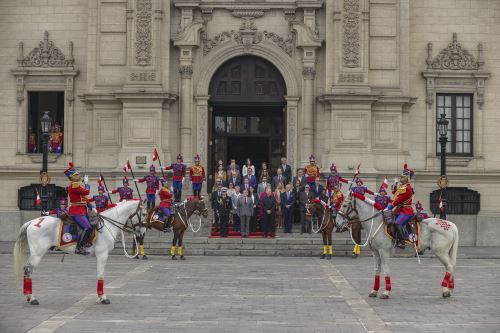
x: 324, y: 249
x: 358, y: 249
x: 179, y: 250
x: 330, y: 249
x: 141, y: 249
x: 172, y: 250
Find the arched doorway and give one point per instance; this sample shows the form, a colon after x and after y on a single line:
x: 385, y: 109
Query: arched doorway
x: 247, y: 101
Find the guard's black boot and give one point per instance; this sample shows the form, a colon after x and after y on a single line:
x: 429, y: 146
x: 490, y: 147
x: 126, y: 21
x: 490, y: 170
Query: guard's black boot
x: 167, y: 225
x: 82, y: 242
x: 400, y: 242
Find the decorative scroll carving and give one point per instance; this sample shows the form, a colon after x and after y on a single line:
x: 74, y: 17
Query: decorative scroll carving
x: 143, y: 76
x: 308, y: 73
x: 351, y: 41
x: 45, y: 55
x: 247, y: 12
x: 454, y: 57
x: 351, y: 77
x: 247, y: 36
x: 143, y: 34
x: 186, y: 71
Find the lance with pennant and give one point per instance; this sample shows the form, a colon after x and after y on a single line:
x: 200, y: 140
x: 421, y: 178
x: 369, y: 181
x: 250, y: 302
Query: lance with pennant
x: 106, y: 187
x: 355, y: 175
x: 157, y: 157
x: 129, y: 166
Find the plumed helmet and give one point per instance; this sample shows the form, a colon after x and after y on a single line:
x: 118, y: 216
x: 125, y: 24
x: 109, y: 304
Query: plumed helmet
x: 152, y: 168
x: 333, y: 168
x: 197, y: 158
x: 100, y: 188
x: 179, y: 157
x: 71, y: 171
x: 312, y: 158
x: 382, y: 188
x: 63, y: 202
x: 125, y: 180
x: 407, y: 172
x: 419, y: 206
x: 359, y: 180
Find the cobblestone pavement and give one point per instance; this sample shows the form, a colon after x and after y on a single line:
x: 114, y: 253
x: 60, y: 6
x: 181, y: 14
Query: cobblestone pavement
x: 250, y: 294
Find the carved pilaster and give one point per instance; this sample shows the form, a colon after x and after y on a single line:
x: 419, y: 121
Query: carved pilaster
x: 351, y: 38
x: 308, y: 73
x: 20, y: 89
x: 144, y: 33
x: 186, y: 71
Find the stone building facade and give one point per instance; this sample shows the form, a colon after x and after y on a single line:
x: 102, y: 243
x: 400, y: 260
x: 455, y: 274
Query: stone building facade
x: 350, y: 81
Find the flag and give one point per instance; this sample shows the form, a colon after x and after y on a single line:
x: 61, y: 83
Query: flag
x: 440, y: 203
x: 357, y: 169
x: 38, y: 201
x: 128, y: 165
x: 385, y: 184
x: 155, y: 155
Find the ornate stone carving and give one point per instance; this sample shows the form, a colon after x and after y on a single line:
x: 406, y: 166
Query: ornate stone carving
x: 142, y: 76
x: 351, y: 42
x: 206, y: 14
x: 308, y: 73
x: 143, y: 34
x: 186, y: 71
x: 289, y: 14
x: 20, y: 89
x: 247, y: 36
x: 454, y: 57
x: 247, y: 12
x: 351, y: 77
x: 45, y: 55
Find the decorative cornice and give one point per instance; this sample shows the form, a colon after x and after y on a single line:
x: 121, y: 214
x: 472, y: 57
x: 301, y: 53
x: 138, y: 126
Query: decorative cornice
x: 308, y: 73
x: 45, y: 55
x: 454, y: 57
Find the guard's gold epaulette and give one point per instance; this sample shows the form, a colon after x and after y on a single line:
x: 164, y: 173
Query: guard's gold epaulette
x: 76, y: 184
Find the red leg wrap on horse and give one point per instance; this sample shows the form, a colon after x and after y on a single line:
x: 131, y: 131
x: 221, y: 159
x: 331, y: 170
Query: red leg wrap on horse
x: 446, y: 280
x: 100, y: 287
x: 376, y: 284
x: 27, y: 286
x: 451, y: 285
x: 388, y: 283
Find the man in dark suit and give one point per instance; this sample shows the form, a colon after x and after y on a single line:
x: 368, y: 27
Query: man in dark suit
x: 223, y: 207
x: 287, y: 202
x: 233, y: 178
x: 279, y: 178
x: 318, y: 189
x: 305, y: 197
x: 287, y: 170
x: 301, y: 178
x: 232, y: 166
x: 245, y: 212
x: 213, y: 200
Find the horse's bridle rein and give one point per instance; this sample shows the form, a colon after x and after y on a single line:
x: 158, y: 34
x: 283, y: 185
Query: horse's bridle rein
x: 122, y: 226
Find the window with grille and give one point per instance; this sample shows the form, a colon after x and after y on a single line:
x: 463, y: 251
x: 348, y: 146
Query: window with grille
x: 27, y: 196
x: 459, y: 201
x: 458, y: 111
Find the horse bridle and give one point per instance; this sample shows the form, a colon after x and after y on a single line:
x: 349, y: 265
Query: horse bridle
x: 122, y: 226
x: 352, y: 209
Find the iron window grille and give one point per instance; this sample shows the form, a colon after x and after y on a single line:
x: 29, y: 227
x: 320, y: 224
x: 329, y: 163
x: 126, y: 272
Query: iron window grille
x: 459, y: 201
x: 27, y: 196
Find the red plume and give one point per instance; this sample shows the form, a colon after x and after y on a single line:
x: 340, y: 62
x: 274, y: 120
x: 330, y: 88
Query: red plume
x: 71, y: 165
x: 405, y: 166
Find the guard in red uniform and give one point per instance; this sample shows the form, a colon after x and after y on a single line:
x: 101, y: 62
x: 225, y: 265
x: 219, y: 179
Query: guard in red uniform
x: 152, y: 185
x: 178, y: 178
x: 165, y: 204
x: 101, y: 200
x: 197, y: 175
x: 421, y: 215
x: 382, y: 198
x: 77, y: 192
x: 56, y: 140
x: 126, y: 193
x: 402, y: 202
x: 360, y: 188
x: 312, y: 171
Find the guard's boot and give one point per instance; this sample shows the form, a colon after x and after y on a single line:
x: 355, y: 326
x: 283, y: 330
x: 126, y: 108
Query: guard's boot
x: 82, y: 242
x: 167, y: 225
x: 400, y: 242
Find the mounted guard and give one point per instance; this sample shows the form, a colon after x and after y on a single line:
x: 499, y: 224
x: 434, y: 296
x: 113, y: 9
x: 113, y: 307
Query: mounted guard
x: 78, y: 192
x: 165, y: 205
x: 402, y: 203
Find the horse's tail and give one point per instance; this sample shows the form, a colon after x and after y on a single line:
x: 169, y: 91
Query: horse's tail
x: 454, y: 249
x: 20, y: 251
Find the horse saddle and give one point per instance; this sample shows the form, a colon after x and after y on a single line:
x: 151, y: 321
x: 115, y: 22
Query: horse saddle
x: 69, y: 233
x: 411, y: 234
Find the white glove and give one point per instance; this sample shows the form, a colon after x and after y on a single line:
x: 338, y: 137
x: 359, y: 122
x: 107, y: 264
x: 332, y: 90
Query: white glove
x: 86, y: 179
x: 45, y: 213
x: 182, y: 180
x: 135, y: 180
x: 110, y: 192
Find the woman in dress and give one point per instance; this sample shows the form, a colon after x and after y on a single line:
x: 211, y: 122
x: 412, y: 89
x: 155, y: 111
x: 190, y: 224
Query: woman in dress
x: 277, y: 195
x: 221, y: 175
x: 248, y: 164
x: 264, y: 171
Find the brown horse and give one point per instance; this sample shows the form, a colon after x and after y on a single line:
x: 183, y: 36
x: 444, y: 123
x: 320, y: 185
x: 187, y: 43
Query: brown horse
x: 180, y: 221
x: 326, y: 223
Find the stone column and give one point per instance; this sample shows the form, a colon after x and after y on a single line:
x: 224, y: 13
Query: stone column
x: 308, y: 75
x: 186, y: 74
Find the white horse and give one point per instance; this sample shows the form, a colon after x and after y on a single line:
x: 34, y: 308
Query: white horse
x: 40, y: 234
x: 438, y: 235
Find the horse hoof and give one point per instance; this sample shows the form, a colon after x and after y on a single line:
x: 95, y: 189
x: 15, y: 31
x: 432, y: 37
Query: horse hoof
x: 384, y: 296
x: 136, y: 257
x: 446, y: 294
x: 144, y: 257
x: 322, y: 256
x: 372, y: 294
x: 354, y: 256
x: 329, y: 257
x: 105, y: 301
x: 174, y: 258
x: 34, y: 302
x: 183, y: 258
